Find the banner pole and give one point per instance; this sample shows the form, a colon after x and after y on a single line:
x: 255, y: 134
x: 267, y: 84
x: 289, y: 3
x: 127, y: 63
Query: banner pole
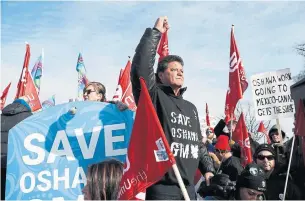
x: 289, y: 164
x: 180, y: 181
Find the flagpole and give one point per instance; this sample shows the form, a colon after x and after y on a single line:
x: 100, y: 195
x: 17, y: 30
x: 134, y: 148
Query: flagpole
x: 289, y: 164
x: 279, y: 126
x: 180, y: 181
x: 231, y: 122
x: 233, y: 111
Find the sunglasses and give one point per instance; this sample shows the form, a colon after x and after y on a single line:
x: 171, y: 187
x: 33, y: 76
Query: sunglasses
x: 88, y: 91
x: 269, y: 158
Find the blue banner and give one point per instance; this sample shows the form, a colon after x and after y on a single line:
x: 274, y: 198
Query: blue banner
x: 49, y: 152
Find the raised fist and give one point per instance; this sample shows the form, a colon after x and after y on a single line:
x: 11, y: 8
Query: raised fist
x: 162, y: 24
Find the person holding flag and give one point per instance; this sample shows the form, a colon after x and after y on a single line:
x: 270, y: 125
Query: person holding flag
x: 178, y: 117
x: 265, y: 156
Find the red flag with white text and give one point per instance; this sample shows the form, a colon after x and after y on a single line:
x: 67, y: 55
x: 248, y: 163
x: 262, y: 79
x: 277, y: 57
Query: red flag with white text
x: 163, y: 46
x: 149, y: 157
x: 4, y: 95
x: 241, y: 136
x: 26, y: 86
x: 124, y: 89
x: 237, y: 79
x: 262, y: 129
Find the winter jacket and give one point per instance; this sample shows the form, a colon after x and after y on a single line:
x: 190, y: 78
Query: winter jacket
x: 231, y: 167
x: 11, y: 115
x: 178, y: 117
x: 276, y: 184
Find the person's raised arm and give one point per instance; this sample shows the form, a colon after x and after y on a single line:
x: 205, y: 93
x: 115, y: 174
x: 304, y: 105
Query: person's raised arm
x: 144, y: 58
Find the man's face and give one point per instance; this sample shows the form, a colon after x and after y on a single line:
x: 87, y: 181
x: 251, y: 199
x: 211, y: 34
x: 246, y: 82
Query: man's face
x: 173, y: 75
x: 249, y: 194
x: 276, y: 137
x: 266, y: 160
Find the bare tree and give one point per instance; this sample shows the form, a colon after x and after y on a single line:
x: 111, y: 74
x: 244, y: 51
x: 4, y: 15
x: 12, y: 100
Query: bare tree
x: 301, y: 51
x: 250, y: 120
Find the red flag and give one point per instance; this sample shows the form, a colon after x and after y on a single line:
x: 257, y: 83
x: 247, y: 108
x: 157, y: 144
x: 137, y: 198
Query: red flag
x: 163, y: 46
x: 300, y: 125
x: 4, y: 95
x: 124, y: 89
x: 241, y: 136
x: 26, y: 86
x: 198, y: 176
x: 262, y: 129
x: 300, y: 120
x: 121, y: 73
x: 149, y: 156
x: 207, y: 115
x: 237, y: 79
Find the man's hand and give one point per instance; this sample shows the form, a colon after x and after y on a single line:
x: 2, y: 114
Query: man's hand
x: 162, y: 24
x: 207, y: 177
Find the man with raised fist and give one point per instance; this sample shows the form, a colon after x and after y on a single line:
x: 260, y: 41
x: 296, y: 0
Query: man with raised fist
x: 178, y: 117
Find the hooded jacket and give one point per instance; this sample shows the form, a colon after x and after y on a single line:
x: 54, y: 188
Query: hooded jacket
x: 11, y: 115
x: 178, y: 117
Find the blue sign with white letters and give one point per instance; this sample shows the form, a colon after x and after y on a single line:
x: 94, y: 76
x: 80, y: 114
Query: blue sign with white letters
x: 49, y: 152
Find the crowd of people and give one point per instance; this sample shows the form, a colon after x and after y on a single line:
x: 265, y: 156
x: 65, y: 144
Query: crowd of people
x: 218, y: 158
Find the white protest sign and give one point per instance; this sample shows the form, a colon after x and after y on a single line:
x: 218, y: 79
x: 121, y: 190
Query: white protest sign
x: 272, y: 96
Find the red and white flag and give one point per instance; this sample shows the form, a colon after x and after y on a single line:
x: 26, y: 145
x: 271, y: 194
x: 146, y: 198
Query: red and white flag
x: 26, y: 86
x: 262, y: 129
x: 149, y: 156
x: 241, y: 136
x: 124, y: 89
x: 4, y: 95
x: 121, y: 73
x: 163, y: 46
x: 237, y: 79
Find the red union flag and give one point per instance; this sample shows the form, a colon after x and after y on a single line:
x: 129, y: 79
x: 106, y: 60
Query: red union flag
x: 163, y: 46
x: 149, y: 156
x: 300, y: 125
x: 262, y: 129
x: 124, y: 89
x: 4, y: 95
x: 26, y: 86
x: 300, y: 120
x: 237, y: 79
x: 241, y: 136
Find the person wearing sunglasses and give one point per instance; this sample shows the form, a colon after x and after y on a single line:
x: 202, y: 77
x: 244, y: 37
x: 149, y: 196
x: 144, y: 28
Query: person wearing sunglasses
x: 96, y: 91
x: 265, y: 156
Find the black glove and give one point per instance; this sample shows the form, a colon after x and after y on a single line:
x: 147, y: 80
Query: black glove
x: 220, y: 185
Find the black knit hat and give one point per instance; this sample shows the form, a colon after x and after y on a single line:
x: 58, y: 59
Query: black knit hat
x: 252, y: 177
x: 264, y: 147
x: 274, y: 129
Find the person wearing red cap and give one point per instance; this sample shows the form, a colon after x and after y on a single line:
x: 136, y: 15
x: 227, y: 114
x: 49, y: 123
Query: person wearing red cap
x: 230, y: 164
